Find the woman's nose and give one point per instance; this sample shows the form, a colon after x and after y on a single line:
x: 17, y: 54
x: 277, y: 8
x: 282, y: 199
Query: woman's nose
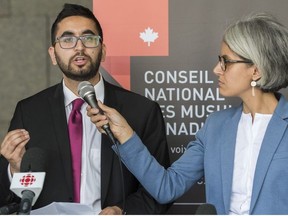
x: 217, y: 69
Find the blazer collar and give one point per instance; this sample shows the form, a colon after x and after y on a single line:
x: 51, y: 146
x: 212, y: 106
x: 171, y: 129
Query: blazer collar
x: 274, y: 133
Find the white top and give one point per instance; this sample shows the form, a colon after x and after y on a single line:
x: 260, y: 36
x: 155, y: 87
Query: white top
x: 248, y: 143
x: 90, y: 193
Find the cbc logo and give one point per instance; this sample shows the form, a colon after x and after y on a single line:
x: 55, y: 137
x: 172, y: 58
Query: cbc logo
x: 27, y: 180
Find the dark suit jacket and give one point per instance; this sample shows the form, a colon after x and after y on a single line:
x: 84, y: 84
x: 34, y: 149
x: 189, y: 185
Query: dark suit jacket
x: 43, y: 116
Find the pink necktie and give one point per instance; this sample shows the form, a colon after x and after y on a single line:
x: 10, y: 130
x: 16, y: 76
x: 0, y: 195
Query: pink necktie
x: 75, y: 136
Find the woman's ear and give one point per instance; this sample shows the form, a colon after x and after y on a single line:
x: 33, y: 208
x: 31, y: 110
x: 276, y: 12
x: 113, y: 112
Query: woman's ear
x: 256, y: 73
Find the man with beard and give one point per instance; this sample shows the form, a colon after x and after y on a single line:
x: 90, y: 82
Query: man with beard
x: 42, y: 121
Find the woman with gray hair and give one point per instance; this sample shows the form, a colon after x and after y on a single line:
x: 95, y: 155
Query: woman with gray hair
x: 242, y: 151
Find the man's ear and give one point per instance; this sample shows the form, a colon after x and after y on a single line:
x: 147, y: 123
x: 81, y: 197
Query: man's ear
x: 51, y: 52
x: 103, y: 55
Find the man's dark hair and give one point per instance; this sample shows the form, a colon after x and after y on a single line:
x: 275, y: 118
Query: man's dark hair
x: 74, y: 10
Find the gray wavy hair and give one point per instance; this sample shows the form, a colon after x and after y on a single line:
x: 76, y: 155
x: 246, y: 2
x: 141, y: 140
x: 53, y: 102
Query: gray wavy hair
x: 262, y: 39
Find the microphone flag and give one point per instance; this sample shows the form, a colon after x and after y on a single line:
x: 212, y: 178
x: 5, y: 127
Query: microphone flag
x: 32, y: 181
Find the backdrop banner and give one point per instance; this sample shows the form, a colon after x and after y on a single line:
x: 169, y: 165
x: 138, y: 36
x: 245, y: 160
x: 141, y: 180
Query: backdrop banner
x: 166, y: 50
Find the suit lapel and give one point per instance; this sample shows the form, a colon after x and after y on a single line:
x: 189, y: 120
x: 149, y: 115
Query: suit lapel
x: 107, y: 154
x: 60, y: 124
x: 227, y: 155
x: 106, y: 164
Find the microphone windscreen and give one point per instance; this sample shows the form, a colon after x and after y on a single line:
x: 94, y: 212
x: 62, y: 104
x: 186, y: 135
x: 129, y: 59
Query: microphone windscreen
x: 84, y: 88
x: 206, y: 209
x: 34, y: 160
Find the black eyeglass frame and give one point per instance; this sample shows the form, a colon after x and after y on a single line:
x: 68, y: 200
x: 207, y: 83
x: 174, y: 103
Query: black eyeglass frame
x: 224, y: 66
x: 81, y: 38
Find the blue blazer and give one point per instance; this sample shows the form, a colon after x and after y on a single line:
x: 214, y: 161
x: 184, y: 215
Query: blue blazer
x: 212, y: 155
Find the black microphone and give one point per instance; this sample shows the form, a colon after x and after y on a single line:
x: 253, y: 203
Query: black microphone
x: 206, y: 209
x: 34, y: 160
x: 29, y: 182
x: 87, y: 92
x: 9, y: 209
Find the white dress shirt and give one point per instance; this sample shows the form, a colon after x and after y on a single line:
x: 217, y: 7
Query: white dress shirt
x: 90, y: 193
x: 248, y: 143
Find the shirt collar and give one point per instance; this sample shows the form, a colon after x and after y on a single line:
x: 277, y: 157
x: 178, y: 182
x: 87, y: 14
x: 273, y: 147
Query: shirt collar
x: 69, y: 96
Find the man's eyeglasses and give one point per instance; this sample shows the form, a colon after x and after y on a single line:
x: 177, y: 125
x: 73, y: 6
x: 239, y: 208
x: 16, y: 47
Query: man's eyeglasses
x: 69, y: 42
x: 224, y: 62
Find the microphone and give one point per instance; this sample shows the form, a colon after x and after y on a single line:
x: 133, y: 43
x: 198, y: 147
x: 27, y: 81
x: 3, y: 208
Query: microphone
x: 206, y: 209
x: 9, y: 209
x: 87, y: 92
x: 29, y: 182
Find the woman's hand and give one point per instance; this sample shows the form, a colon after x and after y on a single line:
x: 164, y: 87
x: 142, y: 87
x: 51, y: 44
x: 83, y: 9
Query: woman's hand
x: 118, y: 124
